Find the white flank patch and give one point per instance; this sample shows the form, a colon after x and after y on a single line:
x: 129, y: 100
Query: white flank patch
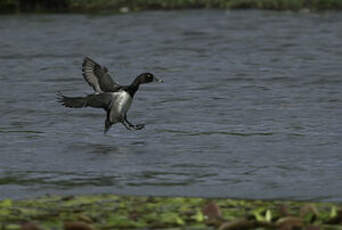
x: 121, y: 103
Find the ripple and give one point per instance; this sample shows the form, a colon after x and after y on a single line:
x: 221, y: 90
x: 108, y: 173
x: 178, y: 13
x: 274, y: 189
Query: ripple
x: 21, y: 131
x: 38, y: 56
x: 56, y: 179
x: 208, y: 133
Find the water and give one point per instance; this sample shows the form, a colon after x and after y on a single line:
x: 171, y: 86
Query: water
x: 251, y: 106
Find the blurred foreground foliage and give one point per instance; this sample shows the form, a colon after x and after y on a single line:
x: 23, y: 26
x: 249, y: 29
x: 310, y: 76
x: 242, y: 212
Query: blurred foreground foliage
x: 97, y: 212
x: 96, y: 6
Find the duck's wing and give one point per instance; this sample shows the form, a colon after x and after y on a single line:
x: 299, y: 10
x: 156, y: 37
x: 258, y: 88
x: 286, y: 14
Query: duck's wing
x: 101, y: 100
x: 98, y: 77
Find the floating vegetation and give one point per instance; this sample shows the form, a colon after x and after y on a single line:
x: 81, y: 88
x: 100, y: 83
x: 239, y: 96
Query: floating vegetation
x: 124, y: 6
x: 132, y: 212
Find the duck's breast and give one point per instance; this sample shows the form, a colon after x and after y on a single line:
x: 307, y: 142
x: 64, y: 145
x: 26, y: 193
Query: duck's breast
x: 121, y: 103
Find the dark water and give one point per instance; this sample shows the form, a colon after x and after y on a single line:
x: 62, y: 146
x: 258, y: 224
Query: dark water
x: 251, y: 106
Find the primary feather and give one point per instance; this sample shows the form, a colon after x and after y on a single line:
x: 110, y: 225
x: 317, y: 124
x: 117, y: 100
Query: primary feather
x: 98, y: 76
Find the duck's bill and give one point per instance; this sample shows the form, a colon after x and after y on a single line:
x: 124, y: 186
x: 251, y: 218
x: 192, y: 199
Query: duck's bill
x: 158, y: 80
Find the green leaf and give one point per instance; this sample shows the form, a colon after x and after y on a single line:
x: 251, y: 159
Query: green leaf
x: 6, y: 204
x: 268, y: 216
x: 258, y: 216
x: 5, y: 212
x: 179, y: 221
x: 199, y: 217
x: 171, y: 218
x: 333, y: 212
x: 12, y: 227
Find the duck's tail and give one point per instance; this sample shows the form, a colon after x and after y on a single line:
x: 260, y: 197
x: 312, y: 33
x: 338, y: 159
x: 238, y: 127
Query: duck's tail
x: 72, y: 102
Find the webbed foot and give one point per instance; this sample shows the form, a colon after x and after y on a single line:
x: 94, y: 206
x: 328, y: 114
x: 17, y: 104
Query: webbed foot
x: 139, y: 126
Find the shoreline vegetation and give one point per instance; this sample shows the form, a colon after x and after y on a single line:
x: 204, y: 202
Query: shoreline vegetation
x: 124, y: 6
x: 97, y: 212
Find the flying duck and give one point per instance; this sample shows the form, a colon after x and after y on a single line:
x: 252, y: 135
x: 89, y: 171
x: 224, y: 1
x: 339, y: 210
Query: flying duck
x: 115, y: 99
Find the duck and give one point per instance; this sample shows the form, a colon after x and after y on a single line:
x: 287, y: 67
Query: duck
x: 109, y: 95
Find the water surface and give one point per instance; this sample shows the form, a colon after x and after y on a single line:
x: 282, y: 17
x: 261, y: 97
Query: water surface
x: 251, y: 106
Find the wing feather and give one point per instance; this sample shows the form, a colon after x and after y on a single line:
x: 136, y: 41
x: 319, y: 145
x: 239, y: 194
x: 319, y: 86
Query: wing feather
x: 98, y: 76
x: 101, y: 100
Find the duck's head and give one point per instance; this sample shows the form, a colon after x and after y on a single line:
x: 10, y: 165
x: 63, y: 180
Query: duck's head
x: 147, y: 78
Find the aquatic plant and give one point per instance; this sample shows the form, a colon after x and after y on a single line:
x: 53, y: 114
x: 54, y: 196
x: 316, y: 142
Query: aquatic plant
x: 137, y: 212
x: 96, y: 6
x: 7, y: 6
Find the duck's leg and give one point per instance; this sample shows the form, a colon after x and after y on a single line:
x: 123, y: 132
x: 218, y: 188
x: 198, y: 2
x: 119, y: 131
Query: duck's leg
x: 136, y: 127
x: 127, y: 126
x: 108, y: 124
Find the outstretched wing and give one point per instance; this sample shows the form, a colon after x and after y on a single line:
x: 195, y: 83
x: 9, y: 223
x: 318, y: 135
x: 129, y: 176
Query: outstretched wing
x: 101, y: 100
x: 98, y: 76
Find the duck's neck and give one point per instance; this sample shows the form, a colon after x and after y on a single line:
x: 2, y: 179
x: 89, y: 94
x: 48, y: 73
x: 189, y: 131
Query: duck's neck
x: 133, y: 87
